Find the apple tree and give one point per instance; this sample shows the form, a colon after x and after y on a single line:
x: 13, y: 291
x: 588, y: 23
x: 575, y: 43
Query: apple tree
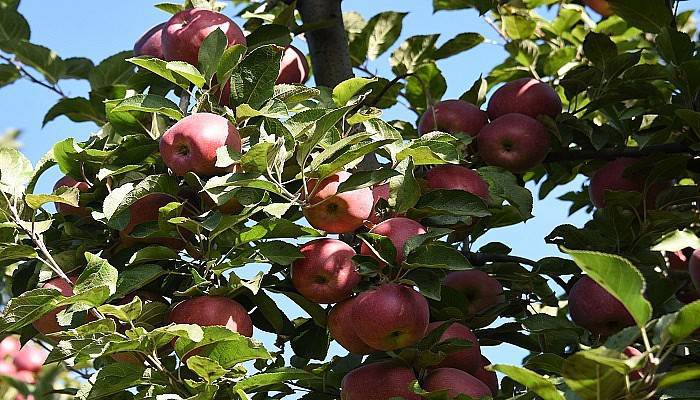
x: 212, y: 156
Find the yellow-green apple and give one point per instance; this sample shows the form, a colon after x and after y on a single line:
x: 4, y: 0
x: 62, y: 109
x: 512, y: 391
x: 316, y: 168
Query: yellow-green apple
x: 453, y: 116
x: 342, y: 328
x: 481, y: 290
x: 9, y: 346
x: 525, y: 96
x: 30, y: 358
x: 468, y: 360
x: 379, y: 381
x: 184, y: 33
x: 390, y: 316
x: 602, y: 7
x: 398, y: 230
x: 190, y: 145
x: 456, y: 382
x: 457, y: 177
x: 488, y: 377
x: 213, y: 311
x: 149, y: 44
x: 49, y: 323
x: 327, y: 273
x: 614, y: 176
x: 145, y: 210
x: 335, y: 212
x: 515, y: 142
x: 66, y: 209
x: 594, y: 308
x: 678, y: 260
x: 694, y: 268
x: 293, y: 67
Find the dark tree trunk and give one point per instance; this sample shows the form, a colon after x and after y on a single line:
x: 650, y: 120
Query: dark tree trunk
x: 330, y: 55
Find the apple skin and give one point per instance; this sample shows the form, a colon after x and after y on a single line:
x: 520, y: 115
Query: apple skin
x: 341, y: 327
x: 7, y: 368
x: 327, y: 273
x: 293, y: 67
x: 190, y: 145
x: 456, y: 382
x: 184, y: 33
x: 488, y: 377
x: 337, y: 213
x: 66, y: 209
x: 48, y: 323
x: 611, y: 176
x: 9, y: 347
x: 379, y: 381
x: 602, y: 7
x: 593, y: 308
x: 468, y: 360
x: 390, y: 316
x: 525, y: 96
x: 398, y: 230
x: 453, y: 116
x: 30, y: 358
x: 482, y: 290
x: 211, y: 311
x: 145, y: 210
x: 515, y: 142
x: 379, y: 192
x: 149, y: 44
x: 457, y: 177
x: 694, y: 268
x: 679, y: 260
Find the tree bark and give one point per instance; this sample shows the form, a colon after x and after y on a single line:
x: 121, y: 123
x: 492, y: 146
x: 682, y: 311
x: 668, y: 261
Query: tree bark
x: 328, y: 46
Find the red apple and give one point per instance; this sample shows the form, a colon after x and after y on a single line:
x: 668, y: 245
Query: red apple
x: 335, y: 212
x: 293, y: 67
x: 145, y: 210
x: 9, y: 346
x: 488, y: 377
x: 327, y: 273
x: 457, y: 177
x: 30, y: 358
x: 468, y: 360
x: 694, y: 268
x: 525, y: 96
x: 602, y: 7
x: 26, y: 377
x: 379, y: 381
x: 7, y: 368
x: 453, y: 116
x: 390, y: 316
x: 613, y: 177
x: 48, y: 323
x: 593, y: 308
x: 190, y: 145
x: 342, y: 328
x: 688, y: 293
x: 398, y: 230
x: 379, y: 192
x: 515, y: 142
x: 184, y: 33
x: 481, y: 290
x: 66, y: 209
x: 678, y: 260
x: 211, y: 311
x: 149, y: 44
x: 456, y: 382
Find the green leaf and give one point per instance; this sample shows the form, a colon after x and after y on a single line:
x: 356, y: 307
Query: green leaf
x: 503, y: 185
x: 381, y: 31
x: 114, y: 378
x: 292, y: 95
x: 318, y: 130
x: 65, y: 196
x: 126, y: 312
x: 677, y: 240
x: 113, y: 70
x: 460, y: 43
x: 451, y: 202
x: 211, y: 51
x: 684, y: 322
x: 427, y: 77
x: 229, y: 61
x: 279, y: 252
x: 171, y: 8
x: 437, y: 256
x: 97, y: 282
x: 253, y: 82
x: 592, y: 380
x: 531, y: 380
x: 678, y: 375
x: 77, y: 109
x: 41, y: 58
x: 149, y: 103
x: 272, y: 377
x: 415, y: 51
x: 619, y: 277
x: 15, y: 170
x: 27, y: 308
x: 599, y: 49
x: 482, y: 5
x: 159, y: 67
x: 187, y: 71
x: 15, y: 252
x: 345, y: 90
x: 13, y: 27
x: 224, y: 346
x: 518, y: 27
x: 269, y: 34
x: 404, y: 188
x: 363, y: 179
x: 121, y: 198
x: 647, y: 15
x: 8, y: 74
x: 77, y: 68
x: 206, y: 368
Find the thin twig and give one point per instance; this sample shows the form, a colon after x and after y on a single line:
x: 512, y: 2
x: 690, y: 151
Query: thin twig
x: 24, y: 73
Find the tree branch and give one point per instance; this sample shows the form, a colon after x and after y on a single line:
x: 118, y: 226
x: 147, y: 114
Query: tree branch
x: 613, y: 153
x: 25, y: 74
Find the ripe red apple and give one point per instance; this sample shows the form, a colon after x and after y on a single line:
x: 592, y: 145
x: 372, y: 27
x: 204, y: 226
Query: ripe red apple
x: 327, y: 273
x: 453, y: 116
x: 468, y: 360
x: 26, y: 377
x: 30, y: 358
x: 48, y: 323
x: 398, y: 230
x: 293, y: 67
x: 602, y: 7
x: 694, y: 268
x: 9, y: 346
x: 66, y: 209
x: 525, y: 96
x: 515, y: 142
x: 488, y: 377
x: 190, y: 145
x: 149, y: 44
x: 390, y: 316
x: 481, y: 290
x: 145, y: 210
x: 211, y: 311
x: 379, y: 381
x: 342, y: 328
x: 457, y: 177
x: 7, y: 368
x: 379, y: 192
x: 456, y: 382
x: 593, y: 308
x: 612, y: 177
x: 335, y: 212
x: 184, y: 33
x: 678, y: 260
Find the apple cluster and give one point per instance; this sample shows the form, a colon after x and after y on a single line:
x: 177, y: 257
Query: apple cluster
x: 22, y: 363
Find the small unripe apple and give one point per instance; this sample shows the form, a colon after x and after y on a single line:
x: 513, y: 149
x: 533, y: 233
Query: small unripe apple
x: 190, y: 145
x: 694, y: 268
x: 327, y: 273
x: 9, y: 346
x: 49, y: 323
x: 602, y: 7
x: 30, y: 358
x: 379, y: 381
x: 145, y: 210
x: 525, y: 96
x: 293, y: 67
x: 67, y: 209
x: 184, y: 33
x: 481, y: 290
x: 335, y: 212
x: 515, y: 142
x: 398, y: 230
x: 678, y: 260
x: 149, y: 44
x: 342, y: 328
x: 593, y: 308
x: 390, y: 316
x: 468, y: 360
x: 213, y: 311
x: 457, y: 177
x: 488, y: 377
x: 453, y: 116
x: 613, y: 177
x: 456, y: 382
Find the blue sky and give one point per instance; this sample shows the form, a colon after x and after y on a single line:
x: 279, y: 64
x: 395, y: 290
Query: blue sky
x: 97, y: 29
